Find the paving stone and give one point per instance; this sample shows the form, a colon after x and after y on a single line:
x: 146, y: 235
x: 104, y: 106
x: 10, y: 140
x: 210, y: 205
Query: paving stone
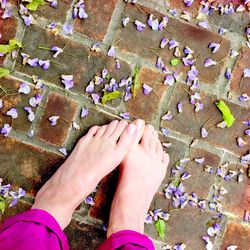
x: 83, y: 64
x: 180, y: 5
x: 236, y: 234
x: 201, y: 181
x: 104, y: 197
x: 239, y: 84
x: 83, y: 236
x: 146, y: 106
x: 26, y: 166
x: 190, y: 123
x: 187, y: 226
x: 236, y: 22
x: 15, y: 100
x: 238, y: 198
x: 57, y: 14
x: 8, y: 28
x: 99, y: 16
x: 63, y: 107
x: 145, y: 43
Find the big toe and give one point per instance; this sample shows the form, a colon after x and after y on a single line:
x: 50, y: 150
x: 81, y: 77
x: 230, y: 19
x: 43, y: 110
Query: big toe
x: 146, y: 136
x: 140, y: 124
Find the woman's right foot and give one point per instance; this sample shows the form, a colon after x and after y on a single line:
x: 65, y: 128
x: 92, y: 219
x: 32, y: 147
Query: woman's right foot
x: 141, y: 174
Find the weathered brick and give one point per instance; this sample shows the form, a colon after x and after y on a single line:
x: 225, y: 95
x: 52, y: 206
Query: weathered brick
x: 201, y: 181
x: 238, y: 198
x: 236, y: 234
x: 83, y: 64
x: 104, y: 197
x: 83, y: 236
x: 15, y: 100
x: 63, y: 107
x: 190, y: 123
x: 8, y: 28
x: 236, y: 22
x: 147, y: 106
x: 198, y: 39
x: 239, y: 84
x: 187, y: 226
x: 57, y: 14
x: 99, y: 16
x: 26, y: 166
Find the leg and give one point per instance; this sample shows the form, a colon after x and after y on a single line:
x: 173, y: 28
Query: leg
x: 141, y: 174
x: 95, y: 155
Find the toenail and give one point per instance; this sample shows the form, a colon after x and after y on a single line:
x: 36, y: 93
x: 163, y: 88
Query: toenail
x: 150, y: 126
x: 114, y: 121
x: 131, y: 129
x: 139, y: 124
x: 124, y: 122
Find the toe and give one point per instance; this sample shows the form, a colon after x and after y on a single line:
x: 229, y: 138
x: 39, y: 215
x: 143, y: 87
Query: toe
x: 101, y: 131
x: 153, y: 142
x: 140, y: 124
x: 127, y: 138
x: 118, y: 130
x: 148, y: 131
x: 159, y: 150
x: 92, y: 131
x: 111, y: 128
x: 165, y: 159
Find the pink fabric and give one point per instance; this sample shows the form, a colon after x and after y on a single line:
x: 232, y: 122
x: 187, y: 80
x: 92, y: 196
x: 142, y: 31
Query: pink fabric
x: 37, y: 229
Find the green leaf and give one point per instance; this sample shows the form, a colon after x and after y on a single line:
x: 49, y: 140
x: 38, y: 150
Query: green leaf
x: 175, y: 61
x: 4, y: 72
x: 34, y: 4
x: 136, y: 81
x: 110, y: 96
x: 13, y: 44
x: 2, y: 204
x: 226, y: 112
x: 161, y: 228
x: 248, y: 172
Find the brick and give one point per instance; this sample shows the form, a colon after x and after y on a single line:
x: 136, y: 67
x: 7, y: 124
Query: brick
x: 198, y: 39
x: 146, y: 107
x: 104, y: 197
x: 83, y: 66
x: 26, y: 166
x: 18, y: 101
x: 236, y: 234
x: 57, y: 14
x: 201, y: 181
x: 240, y: 84
x: 189, y: 123
x: 178, y: 228
x: 8, y: 28
x: 236, y: 22
x: 84, y: 236
x: 63, y: 107
x: 99, y: 16
x: 238, y: 198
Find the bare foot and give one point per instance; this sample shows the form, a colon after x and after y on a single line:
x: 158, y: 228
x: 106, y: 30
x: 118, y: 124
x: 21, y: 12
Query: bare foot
x: 96, y: 154
x: 141, y: 174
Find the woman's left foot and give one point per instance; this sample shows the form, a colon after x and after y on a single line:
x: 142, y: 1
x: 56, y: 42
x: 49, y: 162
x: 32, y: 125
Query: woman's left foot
x: 99, y: 152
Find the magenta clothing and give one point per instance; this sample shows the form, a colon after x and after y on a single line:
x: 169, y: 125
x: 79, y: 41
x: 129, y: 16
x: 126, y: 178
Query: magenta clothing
x: 37, y: 229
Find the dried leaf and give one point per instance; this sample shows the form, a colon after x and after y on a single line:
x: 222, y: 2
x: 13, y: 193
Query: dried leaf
x: 226, y: 112
x: 136, y: 81
x: 161, y: 228
x: 110, y: 96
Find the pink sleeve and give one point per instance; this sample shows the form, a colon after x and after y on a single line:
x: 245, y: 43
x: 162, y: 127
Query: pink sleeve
x: 34, y: 229
x: 127, y: 240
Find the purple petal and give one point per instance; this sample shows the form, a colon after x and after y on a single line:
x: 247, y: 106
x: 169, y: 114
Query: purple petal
x: 6, y: 129
x: 169, y: 80
x: 12, y: 113
x: 246, y: 72
x: 33, y: 62
x: 53, y: 120
x: 95, y: 98
x: 165, y: 131
x: 84, y: 112
x: 146, y: 89
x: 125, y: 115
x: 68, y: 29
x: 204, y: 132
x: 164, y: 42
x: 209, y: 62
x: 24, y: 88
x: 111, y: 52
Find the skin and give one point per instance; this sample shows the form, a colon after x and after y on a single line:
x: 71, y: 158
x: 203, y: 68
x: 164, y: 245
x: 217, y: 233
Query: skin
x: 101, y: 150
